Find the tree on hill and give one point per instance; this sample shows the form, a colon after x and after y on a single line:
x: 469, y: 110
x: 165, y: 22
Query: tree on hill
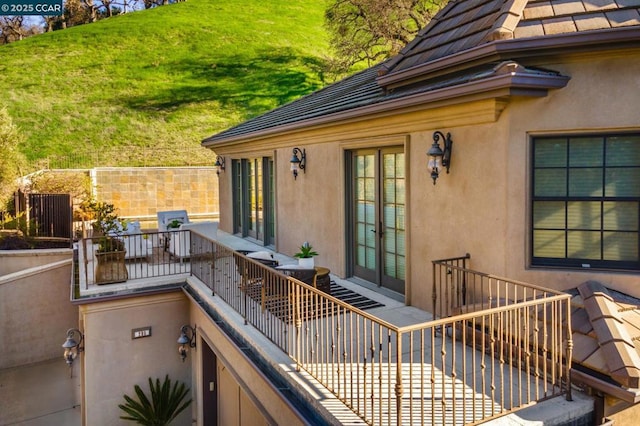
x: 374, y: 30
x: 11, y: 160
x: 75, y: 12
x: 15, y: 28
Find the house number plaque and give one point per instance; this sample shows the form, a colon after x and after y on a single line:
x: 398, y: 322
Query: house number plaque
x: 138, y: 333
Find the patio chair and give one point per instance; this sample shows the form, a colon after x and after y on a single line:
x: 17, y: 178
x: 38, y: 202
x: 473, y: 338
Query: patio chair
x: 300, y: 301
x: 251, y: 276
x: 135, y: 242
x: 168, y: 220
x: 167, y: 217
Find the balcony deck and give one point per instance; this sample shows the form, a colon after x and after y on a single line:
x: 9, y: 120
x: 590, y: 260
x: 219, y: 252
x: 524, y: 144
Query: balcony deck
x: 444, y: 379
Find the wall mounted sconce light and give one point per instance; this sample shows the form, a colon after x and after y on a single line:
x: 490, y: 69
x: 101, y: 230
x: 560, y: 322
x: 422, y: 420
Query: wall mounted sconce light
x: 219, y: 164
x: 439, y: 158
x: 72, y: 347
x: 298, y: 163
x: 186, y: 340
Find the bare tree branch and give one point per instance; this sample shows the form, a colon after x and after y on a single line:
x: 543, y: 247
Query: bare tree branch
x: 372, y: 30
x: 15, y: 28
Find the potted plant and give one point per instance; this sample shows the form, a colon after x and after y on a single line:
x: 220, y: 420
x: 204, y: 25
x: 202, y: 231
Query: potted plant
x: 305, y: 255
x: 174, y: 224
x: 110, y: 253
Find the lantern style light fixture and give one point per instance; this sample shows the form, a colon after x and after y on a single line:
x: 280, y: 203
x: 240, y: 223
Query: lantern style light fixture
x: 298, y: 163
x: 439, y: 158
x: 72, y: 347
x: 219, y: 164
x: 186, y: 340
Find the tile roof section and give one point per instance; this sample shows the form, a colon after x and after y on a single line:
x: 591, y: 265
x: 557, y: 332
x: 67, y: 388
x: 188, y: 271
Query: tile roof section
x: 606, y: 330
x: 437, y: 57
x: 548, y: 17
x: 460, y: 25
x: 467, y: 24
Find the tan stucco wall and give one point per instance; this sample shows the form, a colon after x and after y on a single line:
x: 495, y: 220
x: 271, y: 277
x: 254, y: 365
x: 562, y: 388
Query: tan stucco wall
x: 113, y: 362
x: 18, y: 260
x: 481, y: 207
x: 299, y: 201
x: 40, y: 393
x: 463, y: 213
x: 620, y: 413
x: 35, y: 313
x: 143, y: 191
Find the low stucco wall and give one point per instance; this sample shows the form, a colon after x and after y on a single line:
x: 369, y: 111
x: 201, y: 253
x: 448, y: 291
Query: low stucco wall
x: 35, y: 313
x: 19, y: 260
x: 40, y: 394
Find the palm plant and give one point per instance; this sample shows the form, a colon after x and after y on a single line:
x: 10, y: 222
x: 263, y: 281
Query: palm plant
x: 165, y: 404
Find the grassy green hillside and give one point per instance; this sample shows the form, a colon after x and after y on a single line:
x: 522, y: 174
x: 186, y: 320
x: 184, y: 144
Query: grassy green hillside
x: 162, y: 78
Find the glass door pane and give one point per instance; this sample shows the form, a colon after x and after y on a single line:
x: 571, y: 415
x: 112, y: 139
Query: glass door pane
x: 270, y: 203
x: 238, y: 223
x: 393, y: 220
x: 365, y: 220
x: 255, y: 199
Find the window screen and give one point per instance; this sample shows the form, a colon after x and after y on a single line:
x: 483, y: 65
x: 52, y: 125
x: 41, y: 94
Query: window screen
x: 586, y: 201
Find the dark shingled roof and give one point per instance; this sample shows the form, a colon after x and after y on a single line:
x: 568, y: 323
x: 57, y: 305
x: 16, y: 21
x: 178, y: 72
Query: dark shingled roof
x: 460, y: 28
x: 339, y: 100
x: 357, y: 90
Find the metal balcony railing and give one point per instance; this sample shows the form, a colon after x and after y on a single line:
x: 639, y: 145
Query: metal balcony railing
x: 133, y: 257
x: 496, y: 345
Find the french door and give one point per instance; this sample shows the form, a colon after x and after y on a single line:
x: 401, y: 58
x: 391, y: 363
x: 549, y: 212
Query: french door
x: 377, y: 177
x: 253, y: 199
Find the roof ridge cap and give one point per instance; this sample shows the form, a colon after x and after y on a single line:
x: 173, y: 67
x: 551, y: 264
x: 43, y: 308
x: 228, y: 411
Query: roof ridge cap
x: 510, y: 15
x: 573, y: 14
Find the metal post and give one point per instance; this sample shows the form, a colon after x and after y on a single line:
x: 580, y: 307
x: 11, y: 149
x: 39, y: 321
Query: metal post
x: 398, y: 387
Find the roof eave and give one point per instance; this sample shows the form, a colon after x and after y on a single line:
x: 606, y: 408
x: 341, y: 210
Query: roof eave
x: 520, y: 84
x: 514, y: 49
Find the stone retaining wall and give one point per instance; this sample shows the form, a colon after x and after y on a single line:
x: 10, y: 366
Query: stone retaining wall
x: 140, y: 192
